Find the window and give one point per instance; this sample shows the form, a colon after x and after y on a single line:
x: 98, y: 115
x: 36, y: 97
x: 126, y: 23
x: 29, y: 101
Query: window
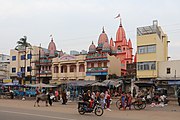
x: 151, y: 49
x: 92, y: 65
x: 105, y: 64
x: 28, y: 69
x: 119, y: 49
x: 13, y: 70
x: 153, y: 66
x: 22, y: 69
x: 168, y: 70
x: 22, y: 57
x: 146, y: 49
x: 146, y: 65
x: 99, y: 64
x: 29, y: 56
x: 13, y: 58
x: 72, y: 68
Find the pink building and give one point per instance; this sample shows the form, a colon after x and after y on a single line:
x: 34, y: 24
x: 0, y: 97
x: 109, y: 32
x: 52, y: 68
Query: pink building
x: 44, y: 72
x: 124, y: 49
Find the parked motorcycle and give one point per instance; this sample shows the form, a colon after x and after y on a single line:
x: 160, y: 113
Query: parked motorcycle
x: 139, y: 104
x: 84, y: 108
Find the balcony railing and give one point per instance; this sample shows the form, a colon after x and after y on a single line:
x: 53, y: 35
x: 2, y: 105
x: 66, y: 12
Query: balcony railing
x: 97, y: 69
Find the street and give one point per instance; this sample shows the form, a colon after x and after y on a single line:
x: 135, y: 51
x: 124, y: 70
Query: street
x: 24, y: 110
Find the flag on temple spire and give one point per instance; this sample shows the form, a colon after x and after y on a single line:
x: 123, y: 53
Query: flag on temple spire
x: 117, y: 16
x: 51, y: 37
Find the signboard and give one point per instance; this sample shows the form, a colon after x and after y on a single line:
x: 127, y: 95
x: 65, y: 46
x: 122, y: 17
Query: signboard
x: 7, y: 80
x: 19, y: 74
x: 173, y: 82
x: 96, y: 73
x: 16, y: 82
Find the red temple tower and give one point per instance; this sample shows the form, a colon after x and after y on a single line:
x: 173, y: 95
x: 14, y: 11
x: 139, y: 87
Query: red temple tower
x: 124, y: 48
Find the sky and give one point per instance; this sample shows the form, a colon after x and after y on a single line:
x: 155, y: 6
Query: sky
x: 74, y: 24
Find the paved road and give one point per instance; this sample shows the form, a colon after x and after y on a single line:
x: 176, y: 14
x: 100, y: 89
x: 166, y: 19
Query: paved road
x: 24, y: 110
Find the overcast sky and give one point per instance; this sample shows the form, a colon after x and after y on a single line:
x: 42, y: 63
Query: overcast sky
x: 74, y: 24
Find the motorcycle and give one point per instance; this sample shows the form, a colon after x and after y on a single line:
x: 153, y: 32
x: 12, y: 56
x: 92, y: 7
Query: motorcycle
x: 84, y: 108
x: 139, y: 104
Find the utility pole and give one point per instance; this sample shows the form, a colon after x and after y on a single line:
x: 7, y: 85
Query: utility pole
x: 39, y: 63
x: 24, y: 74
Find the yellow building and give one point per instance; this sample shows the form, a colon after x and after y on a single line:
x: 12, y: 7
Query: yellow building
x: 152, y: 46
x: 68, y: 67
x: 18, y: 63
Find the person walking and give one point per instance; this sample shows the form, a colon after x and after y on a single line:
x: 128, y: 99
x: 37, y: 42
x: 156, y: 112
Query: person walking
x: 57, y: 95
x: 102, y: 100
x: 129, y: 100
x: 108, y: 100
x: 64, y: 98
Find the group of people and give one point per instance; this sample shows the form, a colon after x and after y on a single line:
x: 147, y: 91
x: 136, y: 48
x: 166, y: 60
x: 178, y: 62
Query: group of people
x: 125, y: 100
x: 103, y: 98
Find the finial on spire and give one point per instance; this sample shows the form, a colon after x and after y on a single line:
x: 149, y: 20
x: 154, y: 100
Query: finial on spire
x: 51, y: 37
x: 103, y: 30
x: 120, y: 22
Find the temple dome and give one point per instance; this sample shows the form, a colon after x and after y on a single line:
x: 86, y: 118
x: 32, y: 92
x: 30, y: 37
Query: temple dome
x: 92, y: 48
x: 103, y: 38
x: 106, y: 47
x: 120, y: 34
x: 52, y: 46
x: 42, y: 52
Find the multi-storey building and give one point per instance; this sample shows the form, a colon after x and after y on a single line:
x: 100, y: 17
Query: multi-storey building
x: 34, y: 64
x: 101, y: 60
x: 68, y: 67
x: 169, y: 76
x: 152, y: 47
x: 4, y: 67
x: 21, y: 66
x: 44, y: 64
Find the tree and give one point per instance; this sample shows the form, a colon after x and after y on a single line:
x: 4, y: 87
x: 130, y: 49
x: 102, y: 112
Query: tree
x: 22, y: 44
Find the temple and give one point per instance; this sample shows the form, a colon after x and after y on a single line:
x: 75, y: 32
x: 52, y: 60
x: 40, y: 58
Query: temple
x: 124, y: 49
x: 101, y: 60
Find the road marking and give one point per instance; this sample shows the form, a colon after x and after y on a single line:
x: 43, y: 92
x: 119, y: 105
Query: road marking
x: 60, y: 118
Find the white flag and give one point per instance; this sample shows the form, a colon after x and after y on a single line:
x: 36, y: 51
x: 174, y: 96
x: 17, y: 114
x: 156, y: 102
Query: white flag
x: 117, y: 16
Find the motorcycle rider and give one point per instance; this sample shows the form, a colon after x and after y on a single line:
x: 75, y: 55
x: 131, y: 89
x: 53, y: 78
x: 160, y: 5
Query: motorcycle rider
x: 87, y: 98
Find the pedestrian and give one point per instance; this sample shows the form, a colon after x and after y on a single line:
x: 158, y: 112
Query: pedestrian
x: 108, y: 100
x: 129, y: 100
x: 134, y: 92
x: 37, y: 91
x: 123, y: 100
x: 102, y: 100
x: 57, y: 95
x: 64, y: 98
